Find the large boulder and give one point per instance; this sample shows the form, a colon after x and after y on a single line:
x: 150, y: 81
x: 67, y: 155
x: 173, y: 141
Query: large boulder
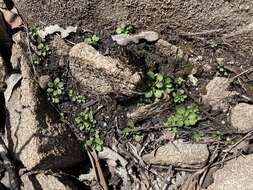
x: 32, y: 132
x: 102, y: 74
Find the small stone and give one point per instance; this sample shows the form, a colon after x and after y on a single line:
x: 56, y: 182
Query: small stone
x: 235, y: 175
x: 217, y: 94
x: 179, y: 154
x: 43, y: 81
x: 242, y: 117
x: 220, y: 61
x: 168, y: 49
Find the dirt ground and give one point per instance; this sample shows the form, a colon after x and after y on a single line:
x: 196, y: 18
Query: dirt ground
x: 206, y: 32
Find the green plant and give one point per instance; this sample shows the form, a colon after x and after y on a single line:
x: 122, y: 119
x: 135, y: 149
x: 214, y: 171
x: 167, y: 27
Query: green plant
x: 75, y: 97
x: 86, y: 120
x: 179, y: 96
x: 158, y: 85
x: 92, y: 40
x: 184, y: 117
x: 95, y: 141
x: 128, y: 132
x: 197, y: 136
x: 222, y: 71
x: 33, y: 32
x: 217, y: 136
x: 41, y: 53
x: 179, y: 81
x: 42, y: 49
x: 55, y: 90
x: 124, y: 29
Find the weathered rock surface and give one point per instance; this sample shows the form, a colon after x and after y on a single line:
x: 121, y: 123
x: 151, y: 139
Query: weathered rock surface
x: 32, y: 132
x: 242, y: 117
x: 169, y: 50
x: 236, y: 174
x: 47, y: 182
x: 217, y: 94
x: 100, y: 73
x: 179, y: 154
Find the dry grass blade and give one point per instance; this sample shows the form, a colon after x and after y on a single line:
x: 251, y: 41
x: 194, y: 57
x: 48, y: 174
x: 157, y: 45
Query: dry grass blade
x: 96, y: 166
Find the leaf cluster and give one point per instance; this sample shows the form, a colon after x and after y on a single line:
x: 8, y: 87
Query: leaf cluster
x: 124, y: 29
x: 128, y: 132
x: 92, y: 40
x: 76, y: 97
x: 86, y: 122
x: 158, y: 85
x: 184, y: 116
x: 55, y: 90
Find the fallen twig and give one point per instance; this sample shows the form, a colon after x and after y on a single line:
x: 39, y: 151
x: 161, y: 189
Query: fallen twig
x: 96, y: 165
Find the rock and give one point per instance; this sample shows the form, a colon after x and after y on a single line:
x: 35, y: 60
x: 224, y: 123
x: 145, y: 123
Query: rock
x: 242, y: 117
x: 43, y: 81
x: 217, y: 94
x: 169, y: 50
x: 145, y: 35
x: 179, y: 154
x: 2, y: 75
x: 32, y: 133
x: 47, y: 182
x: 236, y: 174
x: 102, y: 74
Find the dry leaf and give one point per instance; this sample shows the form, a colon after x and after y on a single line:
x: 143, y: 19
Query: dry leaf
x: 12, y: 18
x: 11, y: 83
x: 56, y: 28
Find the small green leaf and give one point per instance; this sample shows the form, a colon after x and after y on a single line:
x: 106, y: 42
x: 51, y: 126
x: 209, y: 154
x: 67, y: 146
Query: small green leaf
x: 158, y: 93
x: 149, y: 94
x: 159, y: 78
x: 151, y: 75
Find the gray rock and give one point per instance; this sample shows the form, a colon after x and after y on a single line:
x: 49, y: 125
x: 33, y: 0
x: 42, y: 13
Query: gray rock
x: 170, y: 50
x: 47, y: 182
x: 101, y: 74
x: 242, y: 117
x: 43, y: 81
x: 235, y: 175
x: 33, y: 135
x: 179, y: 154
x: 217, y: 94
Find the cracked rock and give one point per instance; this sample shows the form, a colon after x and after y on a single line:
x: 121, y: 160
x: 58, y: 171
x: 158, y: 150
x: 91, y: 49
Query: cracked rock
x: 102, y: 74
x: 242, y: 117
x: 179, y: 154
x: 236, y: 174
x: 33, y: 134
